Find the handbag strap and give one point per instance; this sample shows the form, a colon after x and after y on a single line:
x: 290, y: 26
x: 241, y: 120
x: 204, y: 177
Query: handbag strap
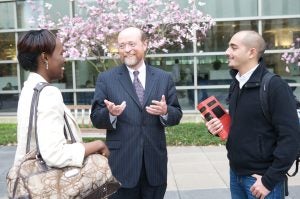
x: 33, y: 112
x: 73, y: 140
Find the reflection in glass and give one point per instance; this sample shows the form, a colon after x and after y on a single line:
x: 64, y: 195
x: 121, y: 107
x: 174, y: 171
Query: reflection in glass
x: 280, y: 33
x: 280, y: 7
x: 68, y: 98
x: 276, y: 65
x: 67, y: 81
x: 230, y: 8
x: 213, y: 70
x: 88, y: 71
x: 8, y: 46
x: 9, y: 102
x: 85, y: 97
x: 218, y: 37
x: 8, y: 77
x: 181, y: 68
x: 28, y: 13
x: 7, y: 15
x: 186, y: 99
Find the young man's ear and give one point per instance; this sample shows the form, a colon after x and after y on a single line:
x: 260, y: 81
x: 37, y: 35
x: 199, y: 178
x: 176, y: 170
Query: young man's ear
x: 253, y: 52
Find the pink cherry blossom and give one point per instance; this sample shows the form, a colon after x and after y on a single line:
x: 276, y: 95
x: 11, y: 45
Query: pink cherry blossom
x: 92, y: 31
x: 293, y: 55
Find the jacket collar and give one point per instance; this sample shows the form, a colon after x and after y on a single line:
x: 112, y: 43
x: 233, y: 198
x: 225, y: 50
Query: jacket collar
x: 256, y: 77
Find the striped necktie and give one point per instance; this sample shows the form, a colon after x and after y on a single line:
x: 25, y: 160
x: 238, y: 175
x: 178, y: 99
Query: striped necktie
x: 138, y: 87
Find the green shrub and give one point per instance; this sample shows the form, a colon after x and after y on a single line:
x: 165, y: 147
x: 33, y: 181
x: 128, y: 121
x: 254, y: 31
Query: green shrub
x: 185, y: 134
x: 191, y: 134
x: 8, y: 134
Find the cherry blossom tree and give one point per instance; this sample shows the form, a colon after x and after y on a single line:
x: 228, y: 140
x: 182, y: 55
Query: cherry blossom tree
x: 93, y: 32
x: 293, y: 55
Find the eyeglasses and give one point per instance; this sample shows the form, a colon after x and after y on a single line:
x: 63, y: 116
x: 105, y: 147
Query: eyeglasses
x: 122, y: 46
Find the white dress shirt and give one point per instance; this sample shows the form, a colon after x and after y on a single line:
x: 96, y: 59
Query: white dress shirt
x: 141, y: 76
x: 245, y: 77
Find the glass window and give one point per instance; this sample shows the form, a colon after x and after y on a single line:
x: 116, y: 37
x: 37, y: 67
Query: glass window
x: 87, y: 71
x: 8, y: 77
x: 181, y: 68
x: 8, y: 46
x: 280, y: 7
x: 213, y: 70
x: 8, y: 102
x: 186, y: 98
x: 218, y: 37
x: 67, y: 81
x: 68, y: 98
x: 230, y: 8
x: 7, y: 15
x: 85, y: 97
x: 23, y: 76
x: 28, y: 13
x: 276, y: 65
x: 280, y: 33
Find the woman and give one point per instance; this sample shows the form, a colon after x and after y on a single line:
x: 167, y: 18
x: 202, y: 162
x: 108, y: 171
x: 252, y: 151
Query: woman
x: 41, y: 53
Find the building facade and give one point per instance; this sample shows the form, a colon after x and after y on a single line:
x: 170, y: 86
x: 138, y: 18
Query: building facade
x: 199, y: 70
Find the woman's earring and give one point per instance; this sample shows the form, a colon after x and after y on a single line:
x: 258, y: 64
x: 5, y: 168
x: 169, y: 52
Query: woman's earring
x: 47, y: 66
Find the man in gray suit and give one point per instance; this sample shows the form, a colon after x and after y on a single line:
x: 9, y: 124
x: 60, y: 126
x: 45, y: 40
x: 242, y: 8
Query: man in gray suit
x: 135, y: 102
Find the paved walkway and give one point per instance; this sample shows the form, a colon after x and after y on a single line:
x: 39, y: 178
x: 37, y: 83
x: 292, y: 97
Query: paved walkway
x: 193, y: 173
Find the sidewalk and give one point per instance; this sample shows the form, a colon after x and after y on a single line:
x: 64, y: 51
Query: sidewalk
x: 193, y: 173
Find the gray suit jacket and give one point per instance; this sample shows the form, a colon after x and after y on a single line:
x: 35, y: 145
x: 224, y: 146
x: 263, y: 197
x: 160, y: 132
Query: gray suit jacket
x: 137, y: 134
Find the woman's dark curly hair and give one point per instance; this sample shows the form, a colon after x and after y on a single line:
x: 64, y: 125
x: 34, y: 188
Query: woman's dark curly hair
x: 31, y: 45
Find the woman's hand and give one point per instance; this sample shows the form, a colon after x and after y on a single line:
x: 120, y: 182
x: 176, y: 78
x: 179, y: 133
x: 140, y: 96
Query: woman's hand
x: 96, y: 146
x: 103, y: 149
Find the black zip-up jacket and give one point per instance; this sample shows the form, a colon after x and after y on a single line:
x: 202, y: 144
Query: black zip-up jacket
x: 254, y: 145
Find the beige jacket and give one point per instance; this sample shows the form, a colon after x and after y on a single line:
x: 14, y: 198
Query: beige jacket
x: 54, y: 148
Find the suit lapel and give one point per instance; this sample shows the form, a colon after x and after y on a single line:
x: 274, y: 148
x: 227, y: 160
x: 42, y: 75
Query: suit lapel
x: 150, y: 82
x: 126, y: 83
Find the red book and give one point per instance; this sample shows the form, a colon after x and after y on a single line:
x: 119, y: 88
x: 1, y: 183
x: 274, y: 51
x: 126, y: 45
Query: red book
x: 212, y: 108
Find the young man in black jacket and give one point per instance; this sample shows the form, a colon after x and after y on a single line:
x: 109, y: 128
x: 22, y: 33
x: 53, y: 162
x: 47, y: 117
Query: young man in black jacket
x: 259, y: 152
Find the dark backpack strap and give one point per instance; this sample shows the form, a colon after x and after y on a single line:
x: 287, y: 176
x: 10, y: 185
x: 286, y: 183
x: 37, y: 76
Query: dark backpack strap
x: 265, y: 108
x: 263, y: 94
x: 286, y: 186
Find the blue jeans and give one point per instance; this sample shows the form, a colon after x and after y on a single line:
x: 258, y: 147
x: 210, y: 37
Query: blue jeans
x: 240, y: 188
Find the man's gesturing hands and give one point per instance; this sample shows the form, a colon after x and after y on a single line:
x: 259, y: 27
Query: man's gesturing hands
x: 113, y: 109
x: 158, y: 107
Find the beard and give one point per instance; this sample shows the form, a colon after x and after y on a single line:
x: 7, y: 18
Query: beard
x: 131, y: 61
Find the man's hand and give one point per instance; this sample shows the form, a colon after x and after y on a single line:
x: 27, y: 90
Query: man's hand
x: 113, y: 109
x: 214, y: 126
x: 158, y: 107
x: 258, y: 189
